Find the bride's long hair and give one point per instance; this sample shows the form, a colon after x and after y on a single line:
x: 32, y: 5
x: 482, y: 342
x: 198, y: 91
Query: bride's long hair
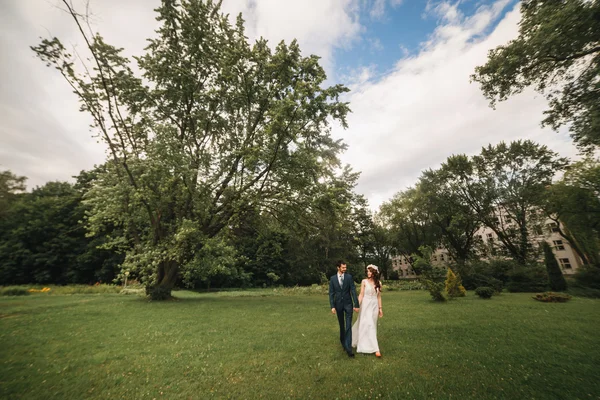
x: 375, y: 277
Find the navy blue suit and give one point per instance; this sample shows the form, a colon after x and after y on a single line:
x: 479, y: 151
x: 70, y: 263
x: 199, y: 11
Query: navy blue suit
x: 341, y: 299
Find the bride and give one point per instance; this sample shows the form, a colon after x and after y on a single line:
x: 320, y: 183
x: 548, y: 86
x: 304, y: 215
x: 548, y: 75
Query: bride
x: 364, y: 331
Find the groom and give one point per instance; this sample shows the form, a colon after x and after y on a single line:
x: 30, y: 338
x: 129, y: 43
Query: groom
x: 342, y: 294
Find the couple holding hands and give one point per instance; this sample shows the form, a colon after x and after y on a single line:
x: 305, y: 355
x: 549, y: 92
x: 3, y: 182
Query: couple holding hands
x: 343, y: 301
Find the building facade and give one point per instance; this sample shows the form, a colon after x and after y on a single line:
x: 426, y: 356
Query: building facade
x: 567, y: 259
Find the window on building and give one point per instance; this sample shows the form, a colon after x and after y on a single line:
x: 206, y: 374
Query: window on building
x: 441, y: 257
x: 558, y: 244
x: 434, y: 257
x: 490, y: 236
x: 553, y: 227
x: 565, y: 263
x: 508, y: 220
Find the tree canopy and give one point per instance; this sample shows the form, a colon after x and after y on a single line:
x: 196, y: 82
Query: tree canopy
x: 557, y: 52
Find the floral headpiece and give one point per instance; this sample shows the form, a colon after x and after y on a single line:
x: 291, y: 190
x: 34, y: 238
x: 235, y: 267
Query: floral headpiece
x: 373, y: 267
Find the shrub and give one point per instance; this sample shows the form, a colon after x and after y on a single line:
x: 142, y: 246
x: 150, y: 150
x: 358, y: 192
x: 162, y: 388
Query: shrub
x: 585, y: 292
x: 13, y: 291
x: 552, y: 297
x: 496, y: 284
x: 436, y: 289
x: 453, y: 285
x: 484, y: 292
x: 588, y: 276
x: 528, y: 279
x: 401, y: 285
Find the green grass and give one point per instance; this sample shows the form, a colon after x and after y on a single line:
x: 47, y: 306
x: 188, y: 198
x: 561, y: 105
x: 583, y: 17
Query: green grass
x: 262, y: 344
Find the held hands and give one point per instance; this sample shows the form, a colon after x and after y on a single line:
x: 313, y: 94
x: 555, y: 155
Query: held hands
x: 356, y: 309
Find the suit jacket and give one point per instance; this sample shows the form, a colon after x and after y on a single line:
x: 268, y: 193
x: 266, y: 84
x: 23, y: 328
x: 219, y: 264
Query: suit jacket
x: 341, y: 297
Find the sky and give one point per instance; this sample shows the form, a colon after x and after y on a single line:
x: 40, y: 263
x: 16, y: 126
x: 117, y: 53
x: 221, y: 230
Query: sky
x: 407, y: 63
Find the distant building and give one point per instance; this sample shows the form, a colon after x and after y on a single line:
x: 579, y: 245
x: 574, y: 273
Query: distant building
x: 565, y: 255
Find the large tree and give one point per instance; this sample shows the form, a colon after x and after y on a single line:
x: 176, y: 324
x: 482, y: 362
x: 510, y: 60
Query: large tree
x: 212, y: 125
x: 409, y: 222
x: 574, y: 205
x: 505, y: 185
x: 456, y: 221
x: 558, y: 53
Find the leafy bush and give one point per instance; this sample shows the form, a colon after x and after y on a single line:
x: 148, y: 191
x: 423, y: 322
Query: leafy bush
x: 528, y: 279
x: 390, y: 286
x: 552, y: 297
x: 494, y: 274
x: 484, y: 292
x: 587, y: 276
x: 436, y: 289
x: 13, y: 291
x: 67, y: 289
x: 585, y: 292
x: 496, y: 284
x: 453, y: 285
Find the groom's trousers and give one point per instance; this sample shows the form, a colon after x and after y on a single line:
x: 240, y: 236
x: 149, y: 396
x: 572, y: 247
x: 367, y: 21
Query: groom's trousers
x: 344, y: 315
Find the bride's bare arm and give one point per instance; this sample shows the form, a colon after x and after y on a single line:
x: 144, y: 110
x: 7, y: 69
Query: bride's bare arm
x: 379, y: 302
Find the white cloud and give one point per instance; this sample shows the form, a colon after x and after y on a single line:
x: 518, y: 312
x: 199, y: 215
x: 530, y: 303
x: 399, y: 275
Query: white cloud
x: 319, y: 25
x: 425, y: 109
x: 378, y: 7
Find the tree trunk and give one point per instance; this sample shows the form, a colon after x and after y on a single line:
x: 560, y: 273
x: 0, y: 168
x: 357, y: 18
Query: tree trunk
x: 165, y: 281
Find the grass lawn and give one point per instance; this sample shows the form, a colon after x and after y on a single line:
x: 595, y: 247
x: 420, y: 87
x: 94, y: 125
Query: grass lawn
x: 263, y: 345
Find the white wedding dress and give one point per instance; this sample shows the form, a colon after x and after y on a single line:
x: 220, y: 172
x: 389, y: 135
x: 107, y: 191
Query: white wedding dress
x: 364, y: 330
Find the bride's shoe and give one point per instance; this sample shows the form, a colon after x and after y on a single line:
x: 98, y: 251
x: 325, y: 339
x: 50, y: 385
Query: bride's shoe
x: 378, y: 354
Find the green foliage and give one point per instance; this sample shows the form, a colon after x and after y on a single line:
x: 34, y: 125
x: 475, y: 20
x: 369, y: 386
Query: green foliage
x: 552, y: 297
x: 513, y: 175
x: 585, y: 282
x: 484, y: 292
x: 390, y: 286
x: 574, y: 205
x: 60, y: 290
x: 424, y: 268
x: 555, y: 277
x: 453, y: 285
x: 407, y: 218
x: 11, y: 186
x: 558, y: 53
x: 13, y: 291
x: 531, y: 278
x: 216, y: 259
x: 43, y: 241
x: 436, y: 289
x: 456, y: 221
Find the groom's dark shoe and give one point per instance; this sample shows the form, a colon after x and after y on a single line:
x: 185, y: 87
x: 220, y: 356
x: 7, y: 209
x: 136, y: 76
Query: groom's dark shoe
x: 350, y: 353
